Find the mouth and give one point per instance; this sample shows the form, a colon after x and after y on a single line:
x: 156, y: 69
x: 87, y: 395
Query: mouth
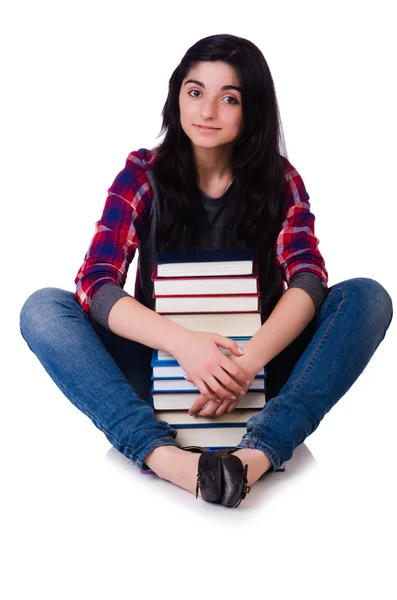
x: 205, y: 128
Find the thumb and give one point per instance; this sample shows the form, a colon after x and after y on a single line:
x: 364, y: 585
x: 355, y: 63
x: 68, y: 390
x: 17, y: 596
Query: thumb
x: 232, y: 345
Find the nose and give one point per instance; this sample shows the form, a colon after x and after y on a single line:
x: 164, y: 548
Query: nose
x: 207, y: 108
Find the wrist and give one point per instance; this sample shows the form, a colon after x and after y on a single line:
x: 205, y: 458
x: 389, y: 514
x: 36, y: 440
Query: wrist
x: 252, y: 359
x: 248, y: 362
x: 175, y: 339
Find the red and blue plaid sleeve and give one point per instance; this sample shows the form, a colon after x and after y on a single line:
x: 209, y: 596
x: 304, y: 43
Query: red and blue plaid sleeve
x: 118, y: 231
x: 297, y: 246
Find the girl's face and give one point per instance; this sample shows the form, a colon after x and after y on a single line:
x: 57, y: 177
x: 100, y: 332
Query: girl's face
x: 208, y: 97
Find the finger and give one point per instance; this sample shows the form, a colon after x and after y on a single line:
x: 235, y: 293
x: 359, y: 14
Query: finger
x: 223, y: 408
x: 232, y: 406
x: 232, y: 345
x: 208, y: 393
x: 205, y: 390
x: 201, y: 402
x: 227, y: 381
x: 236, y: 349
x: 197, y: 405
x: 218, y: 389
x: 209, y: 410
x: 235, y: 371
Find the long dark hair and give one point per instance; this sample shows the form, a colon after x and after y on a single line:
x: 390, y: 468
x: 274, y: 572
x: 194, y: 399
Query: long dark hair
x: 255, y: 202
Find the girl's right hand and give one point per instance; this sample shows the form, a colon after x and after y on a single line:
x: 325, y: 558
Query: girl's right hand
x: 198, y: 354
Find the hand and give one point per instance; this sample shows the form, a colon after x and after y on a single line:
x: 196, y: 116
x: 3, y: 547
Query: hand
x: 205, y: 408
x: 215, y: 375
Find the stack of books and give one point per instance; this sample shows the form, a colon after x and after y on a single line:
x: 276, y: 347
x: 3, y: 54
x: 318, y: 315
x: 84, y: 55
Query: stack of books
x: 206, y: 291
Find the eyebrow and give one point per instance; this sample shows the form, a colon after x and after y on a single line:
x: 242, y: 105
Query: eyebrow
x: 224, y: 87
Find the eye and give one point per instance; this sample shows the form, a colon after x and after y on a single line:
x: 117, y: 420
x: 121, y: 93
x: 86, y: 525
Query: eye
x: 235, y: 101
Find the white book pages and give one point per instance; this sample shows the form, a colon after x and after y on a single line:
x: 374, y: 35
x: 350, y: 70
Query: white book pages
x: 209, y: 268
x: 227, y: 324
x: 179, y: 417
x: 210, y: 304
x: 205, y: 286
x: 184, y: 400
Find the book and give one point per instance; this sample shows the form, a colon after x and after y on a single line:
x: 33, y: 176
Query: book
x: 209, y: 436
x: 160, y: 356
x: 223, y: 284
x: 195, y: 263
x: 180, y: 384
x: 171, y: 369
x: 181, y: 418
x: 184, y: 400
x: 207, y: 303
x: 244, y: 324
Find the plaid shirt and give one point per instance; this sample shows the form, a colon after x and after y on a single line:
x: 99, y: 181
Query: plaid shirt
x: 128, y: 203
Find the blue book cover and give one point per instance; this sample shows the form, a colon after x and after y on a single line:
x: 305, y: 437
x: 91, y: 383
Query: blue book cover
x: 168, y: 377
x: 258, y: 385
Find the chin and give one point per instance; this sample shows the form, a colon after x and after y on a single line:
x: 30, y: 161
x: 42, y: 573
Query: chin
x: 198, y: 141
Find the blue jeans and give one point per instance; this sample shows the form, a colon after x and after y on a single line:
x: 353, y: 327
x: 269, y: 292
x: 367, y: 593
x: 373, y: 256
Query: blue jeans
x: 108, y: 377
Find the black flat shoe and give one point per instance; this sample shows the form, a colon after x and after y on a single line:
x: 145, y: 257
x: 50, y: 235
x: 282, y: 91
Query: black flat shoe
x: 234, y: 478
x: 209, y: 474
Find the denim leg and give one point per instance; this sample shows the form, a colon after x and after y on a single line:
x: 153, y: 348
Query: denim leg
x: 78, y: 356
x: 350, y: 325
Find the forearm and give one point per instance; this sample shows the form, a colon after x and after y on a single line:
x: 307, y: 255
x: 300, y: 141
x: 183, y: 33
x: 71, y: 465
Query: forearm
x: 289, y: 318
x: 130, y: 319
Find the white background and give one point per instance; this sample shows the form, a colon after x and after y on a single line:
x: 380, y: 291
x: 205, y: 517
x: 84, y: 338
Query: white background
x: 83, y: 84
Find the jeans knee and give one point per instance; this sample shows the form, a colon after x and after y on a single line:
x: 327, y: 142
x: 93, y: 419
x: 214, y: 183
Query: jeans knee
x: 32, y: 317
x: 375, y: 296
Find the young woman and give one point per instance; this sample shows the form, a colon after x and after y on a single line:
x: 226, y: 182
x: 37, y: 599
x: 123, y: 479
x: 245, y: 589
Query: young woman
x: 220, y: 179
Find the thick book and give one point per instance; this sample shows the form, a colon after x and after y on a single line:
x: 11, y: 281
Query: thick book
x: 222, y: 284
x: 207, y: 304
x: 181, y: 385
x: 184, y: 400
x: 171, y: 369
x: 181, y: 418
x: 244, y: 324
x: 196, y: 263
x: 161, y: 356
x: 228, y: 436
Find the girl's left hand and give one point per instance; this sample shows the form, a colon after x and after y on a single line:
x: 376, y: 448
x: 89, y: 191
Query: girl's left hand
x: 213, y: 408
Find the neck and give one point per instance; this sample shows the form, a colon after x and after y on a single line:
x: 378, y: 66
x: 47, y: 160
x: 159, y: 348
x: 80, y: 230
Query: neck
x: 212, y: 164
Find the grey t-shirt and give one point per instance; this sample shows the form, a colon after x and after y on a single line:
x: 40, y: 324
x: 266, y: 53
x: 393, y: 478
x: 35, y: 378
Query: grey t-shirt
x: 213, y: 233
